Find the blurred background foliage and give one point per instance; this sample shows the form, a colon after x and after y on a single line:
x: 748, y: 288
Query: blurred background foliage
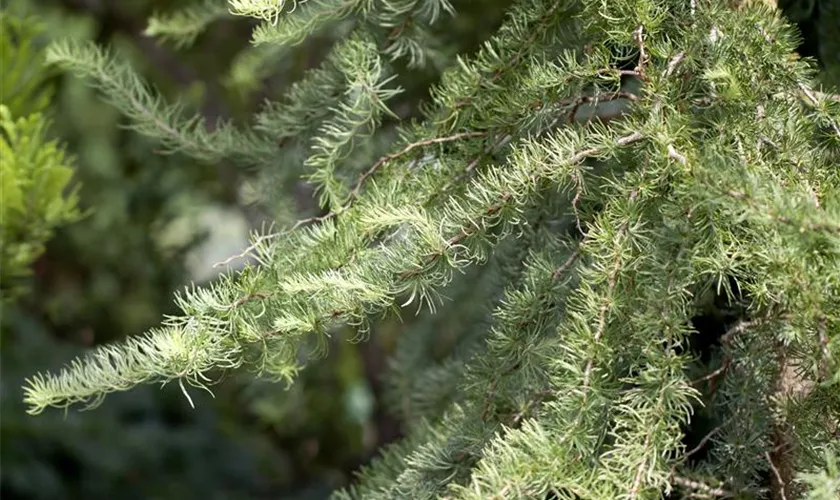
x: 141, y: 225
x: 34, y: 170
x: 819, y: 23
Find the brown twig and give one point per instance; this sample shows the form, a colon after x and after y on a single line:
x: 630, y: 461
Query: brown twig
x: 488, y: 399
x: 576, y: 200
x: 726, y: 339
x: 672, y: 64
x: 248, y: 298
x: 257, y: 242
x: 520, y: 415
x: 723, y: 367
x: 778, y: 476
x: 566, y: 265
x: 637, y: 479
x: 385, y: 159
x: 737, y: 328
x: 676, y: 155
x: 638, y: 37
x: 822, y: 324
x: 701, y: 444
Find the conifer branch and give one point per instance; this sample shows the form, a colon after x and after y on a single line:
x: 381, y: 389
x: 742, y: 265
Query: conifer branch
x: 605, y: 306
x: 409, y: 148
x: 409, y: 21
x: 827, y: 226
x: 268, y: 10
x: 149, y: 114
x: 541, y: 22
x: 307, y: 103
x: 555, y: 274
x: 293, y: 28
x: 357, y: 189
x: 78, y: 384
x: 777, y: 476
x: 356, y: 116
x: 184, y: 25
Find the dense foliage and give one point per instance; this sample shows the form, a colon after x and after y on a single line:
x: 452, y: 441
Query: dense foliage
x: 34, y: 171
x: 616, y: 221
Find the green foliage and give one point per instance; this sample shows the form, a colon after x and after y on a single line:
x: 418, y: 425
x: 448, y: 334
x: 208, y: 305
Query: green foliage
x: 315, y: 15
x: 617, y: 172
x: 128, y: 245
x: 35, y: 171
x: 143, y: 445
x: 150, y: 115
x: 357, y: 116
x: 24, y: 76
x: 825, y: 484
x: 183, y: 25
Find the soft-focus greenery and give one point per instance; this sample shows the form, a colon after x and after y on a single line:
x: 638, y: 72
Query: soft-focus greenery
x: 34, y: 170
x: 819, y: 21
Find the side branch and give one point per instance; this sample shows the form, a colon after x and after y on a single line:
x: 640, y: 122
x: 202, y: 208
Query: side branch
x: 175, y: 350
x: 602, y: 313
x: 376, y: 166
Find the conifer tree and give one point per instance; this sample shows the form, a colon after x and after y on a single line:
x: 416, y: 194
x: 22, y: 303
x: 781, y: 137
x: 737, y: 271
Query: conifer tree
x: 602, y: 179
